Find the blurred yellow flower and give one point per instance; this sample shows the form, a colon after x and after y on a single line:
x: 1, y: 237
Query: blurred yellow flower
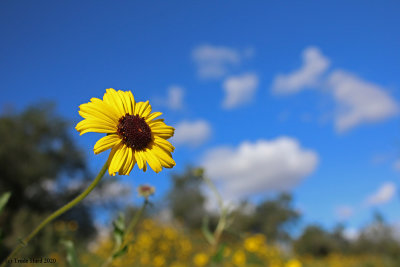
x: 200, y: 259
x: 254, y: 243
x: 239, y: 258
x: 293, y: 263
x: 158, y: 261
x: 133, y: 133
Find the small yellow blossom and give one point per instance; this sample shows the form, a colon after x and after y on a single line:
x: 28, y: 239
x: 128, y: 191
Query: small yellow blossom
x: 293, y: 263
x: 200, y: 259
x: 239, y: 258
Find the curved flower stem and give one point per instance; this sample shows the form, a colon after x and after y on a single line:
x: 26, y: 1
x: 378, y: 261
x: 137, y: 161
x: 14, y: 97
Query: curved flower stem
x: 129, y: 229
x: 133, y: 222
x: 222, y: 222
x: 57, y: 213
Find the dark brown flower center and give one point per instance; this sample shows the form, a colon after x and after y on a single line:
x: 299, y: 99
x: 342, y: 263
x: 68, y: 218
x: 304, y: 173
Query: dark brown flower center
x: 134, y: 131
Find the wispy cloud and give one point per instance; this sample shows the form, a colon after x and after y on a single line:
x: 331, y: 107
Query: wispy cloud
x: 216, y: 61
x: 192, y: 133
x: 359, y: 101
x: 344, y: 212
x: 383, y: 195
x: 250, y: 168
x: 396, y: 165
x: 314, y: 65
x: 175, y: 97
x: 239, y: 90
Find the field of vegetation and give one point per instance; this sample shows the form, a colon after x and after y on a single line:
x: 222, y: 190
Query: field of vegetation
x: 38, y: 156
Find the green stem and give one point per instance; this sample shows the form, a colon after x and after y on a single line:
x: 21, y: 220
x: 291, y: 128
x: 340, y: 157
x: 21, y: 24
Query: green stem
x: 55, y: 214
x: 129, y: 229
x: 133, y: 222
x: 222, y: 218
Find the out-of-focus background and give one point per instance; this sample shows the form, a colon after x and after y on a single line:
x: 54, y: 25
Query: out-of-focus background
x: 292, y: 110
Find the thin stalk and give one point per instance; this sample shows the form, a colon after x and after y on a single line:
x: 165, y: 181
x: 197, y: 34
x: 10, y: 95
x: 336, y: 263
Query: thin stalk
x: 129, y: 229
x: 55, y: 214
x: 222, y: 218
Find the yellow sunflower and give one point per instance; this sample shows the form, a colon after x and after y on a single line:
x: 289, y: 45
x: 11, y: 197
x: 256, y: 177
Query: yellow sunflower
x: 133, y: 132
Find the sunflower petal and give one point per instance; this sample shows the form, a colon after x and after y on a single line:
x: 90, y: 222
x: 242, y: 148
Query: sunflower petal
x: 141, y: 107
x: 86, y: 125
x: 166, y: 145
x: 152, y: 160
x: 118, y: 160
x: 112, y: 98
x: 152, y: 116
x: 111, y: 157
x: 164, y: 157
x: 146, y: 112
x: 130, y: 163
x: 106, y: 143
x: 131, y: 102
x: 99, y: 110
x: 163, y: 131
x: 140, y: 159
x: 125, y: 101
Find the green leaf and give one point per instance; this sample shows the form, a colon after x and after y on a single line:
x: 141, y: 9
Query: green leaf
x: 72, y: 257
x: 4, y: 199
x: 219, y: 255
x: 206, y: 231
x: 119, y: 229
x: 120, y: 252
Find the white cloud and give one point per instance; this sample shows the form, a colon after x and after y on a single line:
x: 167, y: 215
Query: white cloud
x: 175, y: 97
x: 257, y: 167
x: 383, y: 195
x: 192, y: 133
x: 344, y: 212
x: 216, y: 61
x: 115, y: 191
x: 239, y: 90
x: 314, y: 65
x: 351, y: 233
x: 396, y: 165
x: 359, y: 101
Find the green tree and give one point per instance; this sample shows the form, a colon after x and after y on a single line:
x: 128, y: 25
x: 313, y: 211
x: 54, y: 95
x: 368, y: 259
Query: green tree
x: 272, y: 217
x: 37, y: 158
x: 378, y: 238
x: 186, y: 199
x: 314, y: 241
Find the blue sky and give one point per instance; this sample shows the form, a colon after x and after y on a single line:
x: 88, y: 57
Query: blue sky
x: 301, y: 97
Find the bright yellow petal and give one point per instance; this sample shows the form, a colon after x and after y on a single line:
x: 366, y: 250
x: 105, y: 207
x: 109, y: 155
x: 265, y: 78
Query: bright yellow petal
x: 131, y: 101
x: 118, y: 160
x: 141, y: 162
x: 112, y: 98
x: 165, y: 157
x: 146, y: 112
x: 152, y: 160
x: 163, y: 131
x: 130, y: 163
x: 164, y: 144
x: 127, y: 162
x: 111, y: 157
x: 152, y: 116
x: 106, y: 142
x: 125, y: 158
x: 125, y: 101
x: 154, y: 122
x: 98, y: 109
x: 141, y: 107
x: 94, y: 126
